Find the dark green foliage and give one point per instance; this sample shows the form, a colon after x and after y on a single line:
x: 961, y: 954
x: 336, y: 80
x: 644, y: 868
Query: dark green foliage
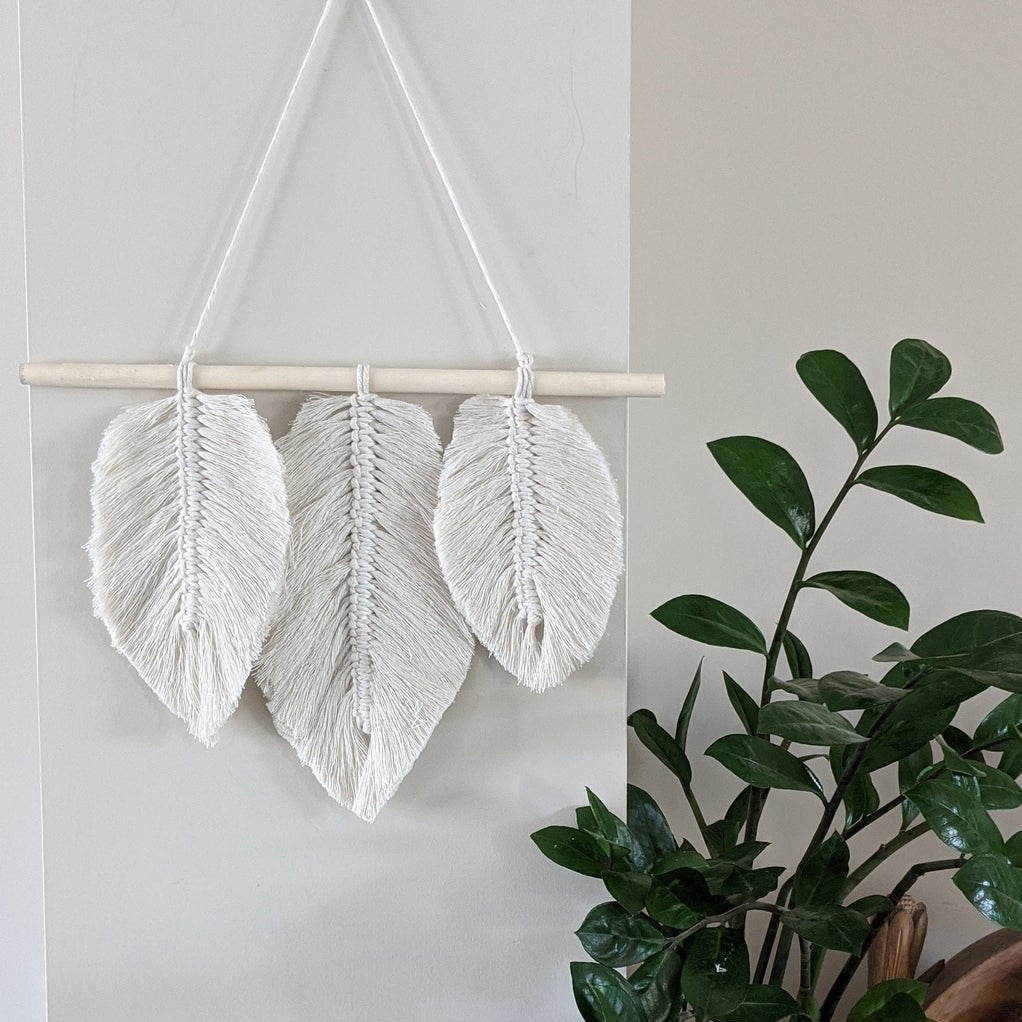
x: 678, y: 911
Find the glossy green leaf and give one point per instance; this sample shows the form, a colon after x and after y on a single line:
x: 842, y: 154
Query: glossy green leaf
x: 1002, y: 721
x: 613, y: 937
x: 911, y: 769
x: 861, y: 797
x: 613, y: 829
x: 975, y: 631
x: 807, y: 723
x: 656, y: 982
x: 830, y: 926
x: 871, y: 1005
x: 665, y: 906
x: 918, y: 370
x: 687, y: 708
x: 715, y: 974
x: 865, y: 592
x: 722, y: 835
x: 821, y: 879
x: 997, y: 790
x: 1011, y: 758
x: 846, y: 690
x: 984, y: 644
x: 604, y: 996
x: 745, y: 885
x: 956, y: 816
x: 799, y: 662
x: 747, y: 852
x: 572, y: 849
x: 648, y: 825
x: 661, y: 744
x: 835, y: 381
x: 1013, y: 849
x: 896, y: 653
x: 708, y: 620
x: 955, y: 417
x: 762, y: 764
x: 763, y: 1004
x: 629, y: 890
x: 807, y: 689
x: 772, y: 481
x: 918, y: 718
x: 744, y: 705
x: 683, y: 858
x: 872, y: 905
x: 926, y: 488
x: 994, y: 887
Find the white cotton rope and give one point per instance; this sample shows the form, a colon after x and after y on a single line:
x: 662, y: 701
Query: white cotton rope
x: 257, y: 179
x: 445, y: 179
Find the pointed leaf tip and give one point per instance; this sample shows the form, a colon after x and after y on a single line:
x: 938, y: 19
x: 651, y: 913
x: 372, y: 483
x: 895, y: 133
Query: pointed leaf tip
x: 926, y: 488
x: 836, y: 382
x: 772, y: 481
x: 918, y: 370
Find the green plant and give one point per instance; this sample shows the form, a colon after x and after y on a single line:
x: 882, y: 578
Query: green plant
x: 678, y: 911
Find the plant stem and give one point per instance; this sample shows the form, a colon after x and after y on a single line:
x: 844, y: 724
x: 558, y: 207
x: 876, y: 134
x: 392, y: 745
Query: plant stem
x: 805, y: 986
x: 697, y: 812
x: 884, y: 852
x: 895, y: 802
x: 852, y: 962
x: 771, y: 933
x: 777, y: 642
x: 749, y: 906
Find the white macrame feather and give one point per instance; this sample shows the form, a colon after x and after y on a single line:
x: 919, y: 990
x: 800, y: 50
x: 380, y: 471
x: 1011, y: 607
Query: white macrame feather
x: 189, y: 537
x: 367, y: 650
x: 529, y: 534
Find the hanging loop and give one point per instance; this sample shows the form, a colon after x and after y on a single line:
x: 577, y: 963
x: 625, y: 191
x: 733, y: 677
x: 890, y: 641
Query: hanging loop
x: 526, y: 381
x: 362, y: 379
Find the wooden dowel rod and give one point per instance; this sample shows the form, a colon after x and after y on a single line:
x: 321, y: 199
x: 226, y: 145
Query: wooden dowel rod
x: 548, y: 383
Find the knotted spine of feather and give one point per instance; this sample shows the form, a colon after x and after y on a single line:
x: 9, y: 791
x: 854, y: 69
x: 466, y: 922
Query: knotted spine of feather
x: 189, y: 535
x: 367, y: 650
x: 529, y: 532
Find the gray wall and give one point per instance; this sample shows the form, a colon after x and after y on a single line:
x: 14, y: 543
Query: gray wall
x: 806, y: 175
x: 187, y: 883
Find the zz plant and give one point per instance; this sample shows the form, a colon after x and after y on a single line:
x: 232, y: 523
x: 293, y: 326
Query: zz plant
x: 677, y: 909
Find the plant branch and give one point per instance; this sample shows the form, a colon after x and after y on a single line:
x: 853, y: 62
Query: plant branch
x: 805, y: 986
x: 872, y: 817
x: 770, y: 937
x: 852, y: 962
x: 697, y: 812
x: 777, y: 642
x: 738, y: 910
x: 884, y: 852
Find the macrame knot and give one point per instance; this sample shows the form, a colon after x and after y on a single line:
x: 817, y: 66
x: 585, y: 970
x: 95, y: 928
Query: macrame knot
x: 362, y: 379
x: 189, y: 469
x: 523, y: 391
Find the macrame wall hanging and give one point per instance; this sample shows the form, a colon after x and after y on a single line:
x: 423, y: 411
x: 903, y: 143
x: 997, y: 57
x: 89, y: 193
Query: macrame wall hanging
x: 360, y: 548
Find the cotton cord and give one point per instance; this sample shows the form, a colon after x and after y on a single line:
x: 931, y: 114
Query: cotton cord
x: 189, y: 352
x: 434, y: 155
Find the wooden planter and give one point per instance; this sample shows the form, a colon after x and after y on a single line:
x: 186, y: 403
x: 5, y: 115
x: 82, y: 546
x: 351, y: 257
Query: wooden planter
x: 983, y: 983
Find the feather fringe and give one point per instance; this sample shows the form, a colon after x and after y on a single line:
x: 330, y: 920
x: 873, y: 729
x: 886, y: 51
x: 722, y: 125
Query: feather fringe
x: 529, y: 535
x: 367, y: 650
x: 189, y: 537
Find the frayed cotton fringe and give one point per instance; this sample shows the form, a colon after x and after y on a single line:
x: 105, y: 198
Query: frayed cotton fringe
x: 529, y: 535
x: 367, y: 650
x: 189, y: 537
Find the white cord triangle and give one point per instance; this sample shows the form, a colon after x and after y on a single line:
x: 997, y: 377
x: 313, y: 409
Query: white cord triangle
x: 367, y: 651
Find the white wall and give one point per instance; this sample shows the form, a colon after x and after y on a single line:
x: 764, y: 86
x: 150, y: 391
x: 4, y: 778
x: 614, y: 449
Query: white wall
x: 22, y: 990
x: 184, y: 883
x: 805, y: 175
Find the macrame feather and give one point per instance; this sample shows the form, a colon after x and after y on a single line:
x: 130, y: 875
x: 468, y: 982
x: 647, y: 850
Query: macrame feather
x: 367, y: 650
x: 189, y: 536
x: 529, y: 534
